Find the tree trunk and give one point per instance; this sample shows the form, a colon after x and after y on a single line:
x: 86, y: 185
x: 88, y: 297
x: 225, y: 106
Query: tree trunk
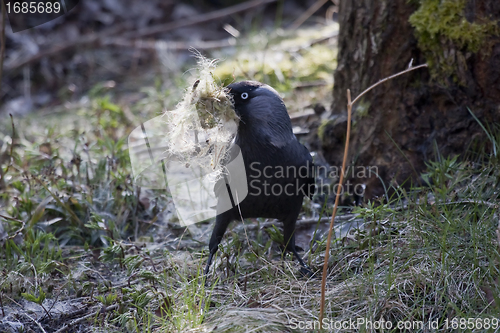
x: 422, y: 115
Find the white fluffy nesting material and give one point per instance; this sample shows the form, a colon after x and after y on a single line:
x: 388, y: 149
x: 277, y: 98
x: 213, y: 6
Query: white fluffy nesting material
x: 204, y: 122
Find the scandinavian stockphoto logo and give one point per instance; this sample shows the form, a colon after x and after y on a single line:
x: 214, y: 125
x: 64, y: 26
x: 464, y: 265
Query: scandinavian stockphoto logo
x: 28, y: 14
x: 198, y: 191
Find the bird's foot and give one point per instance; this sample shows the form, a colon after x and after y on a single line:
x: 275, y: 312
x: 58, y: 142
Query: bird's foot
x: 306, y: 272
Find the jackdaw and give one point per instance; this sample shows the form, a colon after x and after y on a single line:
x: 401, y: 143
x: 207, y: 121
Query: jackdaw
x: 279, y: 169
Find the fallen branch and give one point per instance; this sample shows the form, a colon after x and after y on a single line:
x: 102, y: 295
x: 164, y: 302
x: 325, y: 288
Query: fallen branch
x: 171, y: 45
x: 203, y: 18
x: 65, y: 46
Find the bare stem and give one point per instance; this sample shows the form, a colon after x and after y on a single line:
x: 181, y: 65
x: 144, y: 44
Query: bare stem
x: 344, y: 161
x: 409, y: 69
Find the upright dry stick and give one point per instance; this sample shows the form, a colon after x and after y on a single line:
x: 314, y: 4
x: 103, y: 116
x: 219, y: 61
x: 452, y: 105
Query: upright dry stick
x: 346, y: 149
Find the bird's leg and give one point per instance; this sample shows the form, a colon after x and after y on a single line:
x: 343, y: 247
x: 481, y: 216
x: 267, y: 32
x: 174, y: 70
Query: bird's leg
x: 221, y: 223
x: 289, y: 237
x: 305, y: 270
x: 209, y: 262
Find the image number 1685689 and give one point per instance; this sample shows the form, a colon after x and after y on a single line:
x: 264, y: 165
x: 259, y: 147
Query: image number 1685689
x: 33, y: 7
x: 27, y: 14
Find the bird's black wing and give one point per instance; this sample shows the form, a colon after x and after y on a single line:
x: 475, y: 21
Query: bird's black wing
x: 297, y: 154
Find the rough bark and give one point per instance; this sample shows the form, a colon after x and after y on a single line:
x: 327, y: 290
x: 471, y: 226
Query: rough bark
x: 407, y: 121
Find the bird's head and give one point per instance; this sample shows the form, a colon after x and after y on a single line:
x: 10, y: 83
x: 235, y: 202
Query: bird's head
x: 262, y: 112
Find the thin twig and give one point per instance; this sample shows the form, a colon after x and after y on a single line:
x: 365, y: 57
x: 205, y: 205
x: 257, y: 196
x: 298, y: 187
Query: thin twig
x: 15, y: 220
x: 308, y: 13
x: 134, y: 214
x: 36, y: 322
x: 409, y: 69
x: 330, y: 232
x: 152, y: 45
x: 76, y: 321
x: 11, y: 218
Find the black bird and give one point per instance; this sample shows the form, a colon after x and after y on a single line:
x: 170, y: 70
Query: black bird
x: 279, y: 169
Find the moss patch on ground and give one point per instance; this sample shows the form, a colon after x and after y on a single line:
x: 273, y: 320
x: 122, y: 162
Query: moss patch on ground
x: 283, y: 60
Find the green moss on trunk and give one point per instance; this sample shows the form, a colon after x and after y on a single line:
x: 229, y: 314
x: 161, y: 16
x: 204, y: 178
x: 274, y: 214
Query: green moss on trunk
x: 447, y: 38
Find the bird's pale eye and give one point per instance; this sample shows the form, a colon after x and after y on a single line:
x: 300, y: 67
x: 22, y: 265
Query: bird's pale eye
x: 244, y: 95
